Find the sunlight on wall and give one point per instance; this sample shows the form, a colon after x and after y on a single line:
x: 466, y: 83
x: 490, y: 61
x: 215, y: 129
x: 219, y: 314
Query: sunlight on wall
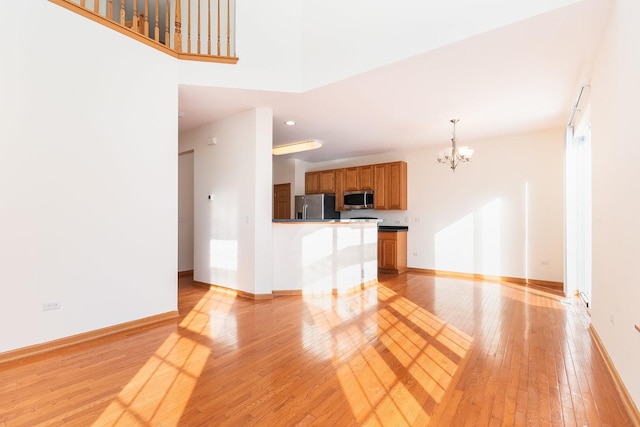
x: 490, y: 237
x: 316, y: 246
x: 526, y: 230
x: 223, y: 254
x: 473, y: 244
x: 454, y: 246
x: 337, y: 259
x: 398, y: 333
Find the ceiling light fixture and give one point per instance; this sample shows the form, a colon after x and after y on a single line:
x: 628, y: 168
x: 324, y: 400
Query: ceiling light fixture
x: 454, y: 155
x: 290, y: 123
x: 296, y: 147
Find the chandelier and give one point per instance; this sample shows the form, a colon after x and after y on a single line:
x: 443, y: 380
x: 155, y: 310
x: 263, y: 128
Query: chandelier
x: 454, y: 155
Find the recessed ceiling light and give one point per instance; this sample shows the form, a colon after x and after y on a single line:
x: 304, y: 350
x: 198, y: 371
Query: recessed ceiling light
x: 290, y: 123
x: 296, y: 147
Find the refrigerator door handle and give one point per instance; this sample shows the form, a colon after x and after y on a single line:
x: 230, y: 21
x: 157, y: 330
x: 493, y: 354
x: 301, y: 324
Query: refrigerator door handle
x: 304, y: 211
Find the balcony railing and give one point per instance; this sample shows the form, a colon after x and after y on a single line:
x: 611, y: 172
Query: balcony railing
x: 202, y: 30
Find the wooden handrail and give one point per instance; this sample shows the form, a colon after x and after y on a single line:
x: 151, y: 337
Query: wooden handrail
x: 149, y: 32
x: 638, y: 328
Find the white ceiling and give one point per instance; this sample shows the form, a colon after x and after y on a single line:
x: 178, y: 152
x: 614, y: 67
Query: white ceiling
x: 519, y: 78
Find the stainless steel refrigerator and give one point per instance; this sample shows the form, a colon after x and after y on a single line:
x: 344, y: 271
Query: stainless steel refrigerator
x: 316, y: 206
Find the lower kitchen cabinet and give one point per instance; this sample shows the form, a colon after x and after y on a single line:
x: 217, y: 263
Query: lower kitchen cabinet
x: 392, y: 251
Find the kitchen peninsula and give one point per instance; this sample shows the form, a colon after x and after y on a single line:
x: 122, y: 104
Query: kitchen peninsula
x: 323, y: 256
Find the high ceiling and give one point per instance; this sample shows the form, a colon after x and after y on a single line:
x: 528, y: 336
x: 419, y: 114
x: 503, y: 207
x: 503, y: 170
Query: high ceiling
x: 518, y: 78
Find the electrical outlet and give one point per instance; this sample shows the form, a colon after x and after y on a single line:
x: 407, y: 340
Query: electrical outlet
x: 415, y: 253
x: 545, y: 263
x: 51, y: 305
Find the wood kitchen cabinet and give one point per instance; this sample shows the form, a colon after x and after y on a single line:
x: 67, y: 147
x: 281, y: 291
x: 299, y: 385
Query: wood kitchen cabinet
x: 397, y: 189
x: 390, y: 186
x: 319, y: 182
x: 312, y: 183
x: 339, y: 183
x: 327, y: 181
x: 387, y: 180
x: 380, y: 184
x: 392, y: 251
x: 366, y: 177
x: 352, y: 179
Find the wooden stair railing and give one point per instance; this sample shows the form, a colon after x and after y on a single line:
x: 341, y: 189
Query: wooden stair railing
x: 162, y: 12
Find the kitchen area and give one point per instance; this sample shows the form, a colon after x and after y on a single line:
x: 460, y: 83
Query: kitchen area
x: 334, y: 242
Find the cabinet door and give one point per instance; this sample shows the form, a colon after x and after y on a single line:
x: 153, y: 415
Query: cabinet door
x: 312, y: 183
x: 366, y: 177
x: 380, y: 185
x: 352, y: 179
x: 397, y: 190
x: 327, y: 181
x: 387, y: 251
x: 339, y: 176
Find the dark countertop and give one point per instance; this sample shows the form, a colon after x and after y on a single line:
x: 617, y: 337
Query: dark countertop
x: 393, y: 228
x: 342, y: 221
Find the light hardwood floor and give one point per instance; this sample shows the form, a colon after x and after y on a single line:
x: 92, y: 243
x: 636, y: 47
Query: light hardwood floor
x: 413, y: 350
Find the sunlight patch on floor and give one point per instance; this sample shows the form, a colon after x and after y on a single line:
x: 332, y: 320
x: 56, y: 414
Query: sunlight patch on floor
x: 172, y: 372
x: 387, y: 377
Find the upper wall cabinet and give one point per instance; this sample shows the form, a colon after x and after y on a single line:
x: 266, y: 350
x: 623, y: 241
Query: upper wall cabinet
x: 366, y: 177
x: 340, y: 180
x: 397, y: 188
x: 312, y: 183
x: 387, y: 180
x: 319, y: 182
x: 327, y: 181
x: 352, y: 179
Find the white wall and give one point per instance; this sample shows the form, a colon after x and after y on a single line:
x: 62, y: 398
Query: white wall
x: 616, y: 208
x: 232, y: 232
x: 294, y: 46
x: 500, y: 214
x: 185, y: 211
x: 88, y: 177
x: 382, y: 33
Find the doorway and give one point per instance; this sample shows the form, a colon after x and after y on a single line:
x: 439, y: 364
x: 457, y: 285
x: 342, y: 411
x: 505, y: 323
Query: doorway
x: 282, y: 201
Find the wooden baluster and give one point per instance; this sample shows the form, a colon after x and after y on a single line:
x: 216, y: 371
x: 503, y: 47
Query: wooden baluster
x: 209, y: 27
x: 122, y: 13
x: 82, y: 3
x: 166, y: 24
x: 146, y: 18
x: 218, y: 47
x: 198, y: 26
x: 110, y: 10
x: 189, y: 28
x: 156, y: 32
x: 96, y: 6
x: 134, y: 19
x: 228, y: 27
x: 178, y: 34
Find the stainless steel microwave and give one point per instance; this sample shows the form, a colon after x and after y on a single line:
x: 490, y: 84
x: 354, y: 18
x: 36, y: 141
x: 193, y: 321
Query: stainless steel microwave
x: 358, y: 199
